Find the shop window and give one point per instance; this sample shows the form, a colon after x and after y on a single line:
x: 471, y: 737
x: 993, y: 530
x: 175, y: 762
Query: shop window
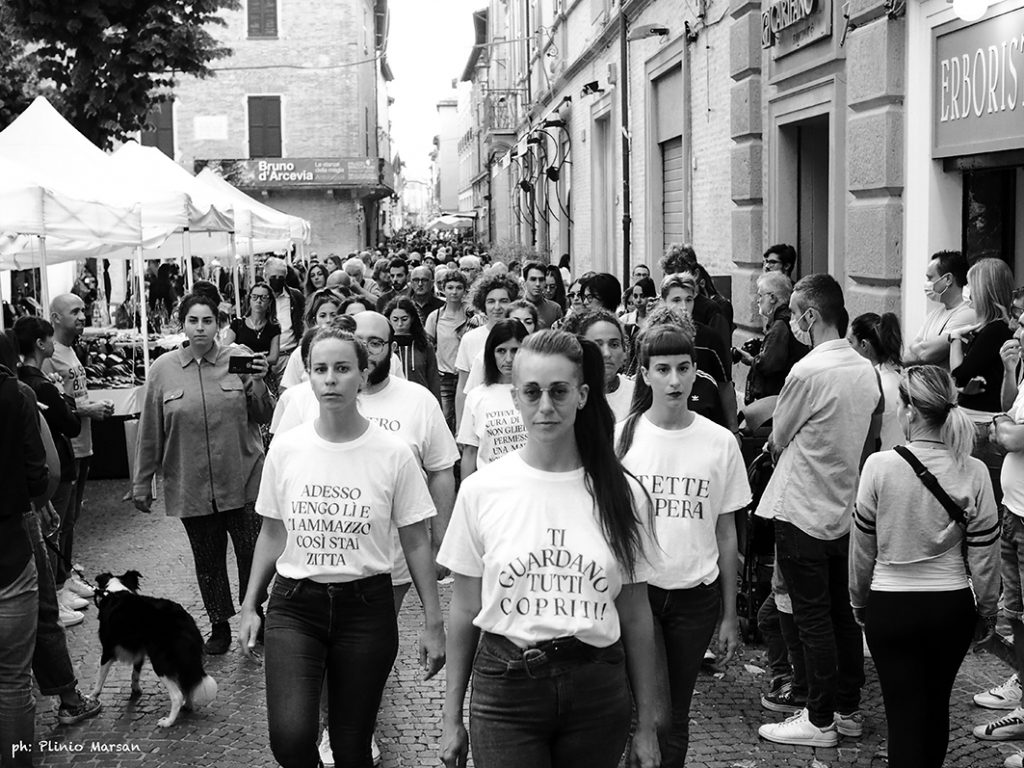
x: 264, y: 126
x: 161, y: 135
x: 262, y: 18
x: 990, y: 214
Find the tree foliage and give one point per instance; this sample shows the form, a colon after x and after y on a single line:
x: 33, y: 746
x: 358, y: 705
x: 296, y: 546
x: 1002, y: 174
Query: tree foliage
x: 110, y: 61
x: 18, y: 80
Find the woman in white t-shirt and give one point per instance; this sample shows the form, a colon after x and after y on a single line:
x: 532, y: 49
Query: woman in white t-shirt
x: 324, y: 306
x: 879, y: 340
x: 523, y: 311
x: 330, y: 492
x: 491, y: 425
x: 604, y: 329
x: 693, y: 470
x: 548, y: 553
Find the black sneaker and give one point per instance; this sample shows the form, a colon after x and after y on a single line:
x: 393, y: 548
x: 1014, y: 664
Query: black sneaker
x: 220, y: 639
x: 781, y: 699
x: 86, y: 707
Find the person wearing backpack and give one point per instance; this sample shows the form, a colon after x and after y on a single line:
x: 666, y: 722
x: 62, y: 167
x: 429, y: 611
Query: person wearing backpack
x: 922, y: 510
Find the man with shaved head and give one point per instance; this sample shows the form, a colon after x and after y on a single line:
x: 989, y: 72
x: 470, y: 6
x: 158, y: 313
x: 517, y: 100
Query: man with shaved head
x: 67, y: 315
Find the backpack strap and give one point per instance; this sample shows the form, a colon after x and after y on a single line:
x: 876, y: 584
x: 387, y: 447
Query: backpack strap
x: 926, y: 477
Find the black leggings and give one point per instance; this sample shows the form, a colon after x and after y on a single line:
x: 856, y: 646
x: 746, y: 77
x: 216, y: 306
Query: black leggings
x: 918, y: 641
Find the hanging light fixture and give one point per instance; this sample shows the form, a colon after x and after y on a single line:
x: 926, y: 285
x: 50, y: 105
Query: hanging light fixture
x: 969, y: 10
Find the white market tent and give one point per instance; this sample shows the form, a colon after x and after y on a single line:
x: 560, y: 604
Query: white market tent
x: 298, y: 228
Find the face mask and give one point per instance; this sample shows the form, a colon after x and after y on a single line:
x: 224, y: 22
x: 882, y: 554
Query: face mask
x: 931, y: 293
x: 804, y: 337
x: 276, y: 283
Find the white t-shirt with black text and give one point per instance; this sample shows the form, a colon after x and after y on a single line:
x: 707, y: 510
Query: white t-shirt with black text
x: 620, y: 400
x: 339, y: 501
x: 470, y: 347
x: 535, y: 541
x: 492, y: 423
x: 694, y: 475
x: 295, y: 406
x: 72, y: 373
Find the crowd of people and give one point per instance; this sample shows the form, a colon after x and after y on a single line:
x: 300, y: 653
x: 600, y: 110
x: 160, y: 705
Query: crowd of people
x: 571, y: 452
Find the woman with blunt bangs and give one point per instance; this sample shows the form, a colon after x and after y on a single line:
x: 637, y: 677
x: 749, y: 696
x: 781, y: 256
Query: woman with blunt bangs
x: 693, y: 470
x: 581, y: 623
x: 331, y: 619
x: 907, y: 573
x: 491, y: 425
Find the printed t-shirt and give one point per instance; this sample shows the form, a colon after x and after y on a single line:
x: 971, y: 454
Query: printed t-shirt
x: 491, y: 422
x: 72, y: 373
x: 620, y: 400
x: 1012, y: 473
x: 693, y: 475
x: 534, y: 540
x: 338, y: 501
x: 472, y: 344
x: 412, y: 414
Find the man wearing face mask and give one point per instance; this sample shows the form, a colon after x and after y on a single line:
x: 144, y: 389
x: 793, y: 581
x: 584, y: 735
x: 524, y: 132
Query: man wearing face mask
x: 827, y: 415
x: 290, y: 307
x: 780, y: 350
x: 945, y: 279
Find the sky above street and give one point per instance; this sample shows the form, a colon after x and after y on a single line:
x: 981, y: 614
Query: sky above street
x: 428, y: 47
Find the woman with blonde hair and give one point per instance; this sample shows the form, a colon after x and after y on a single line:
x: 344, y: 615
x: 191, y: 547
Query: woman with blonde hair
x: 974, y: 358
x: 920, y: 508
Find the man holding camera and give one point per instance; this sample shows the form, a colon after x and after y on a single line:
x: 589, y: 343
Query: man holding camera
x: 770, y: 359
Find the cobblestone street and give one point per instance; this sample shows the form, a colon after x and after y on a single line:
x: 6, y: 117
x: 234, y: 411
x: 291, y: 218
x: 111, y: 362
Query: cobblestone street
x: 231, y: 733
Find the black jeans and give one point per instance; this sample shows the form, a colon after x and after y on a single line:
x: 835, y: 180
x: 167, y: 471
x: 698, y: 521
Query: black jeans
x: 347, y: 630
x: 918, y: 641
x: 816, y: 574
x: 784, y: 652
x: 543, y: 710
x: 684, y: 623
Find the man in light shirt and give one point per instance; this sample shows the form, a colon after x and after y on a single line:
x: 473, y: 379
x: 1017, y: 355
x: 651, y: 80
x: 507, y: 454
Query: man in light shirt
x: 945, y: 279
x: 827, y: 414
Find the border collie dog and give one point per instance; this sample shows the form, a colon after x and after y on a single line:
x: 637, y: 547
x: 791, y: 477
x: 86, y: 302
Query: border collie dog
x: 134, y: 627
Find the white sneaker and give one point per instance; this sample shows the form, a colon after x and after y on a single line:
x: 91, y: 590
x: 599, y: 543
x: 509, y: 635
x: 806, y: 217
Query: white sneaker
x: 69, y: 618
x: 374, y: 750
x: 799, y: 730
x: 1004, y: 696
x: 79, y: 587
x: 326, y: 755
x: 850, y: 725
x: 1009, y: 726
x: 1014, y: 761
x: 70, y: 601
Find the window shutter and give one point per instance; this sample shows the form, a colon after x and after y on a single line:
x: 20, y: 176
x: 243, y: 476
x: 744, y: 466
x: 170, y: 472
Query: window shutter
x: 262, y: 18
x: 256, y: 123
x: 264, y: 126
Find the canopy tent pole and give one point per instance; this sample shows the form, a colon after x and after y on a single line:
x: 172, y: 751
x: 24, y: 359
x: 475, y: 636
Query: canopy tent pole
x: 252, y: 264
x: 140, y: 271
x: 44, y: 277
x: 234, y: 276
x: 186, y: 255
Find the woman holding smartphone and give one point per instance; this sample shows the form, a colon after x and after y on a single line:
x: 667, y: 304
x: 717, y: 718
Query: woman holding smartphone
x: 549, y: 556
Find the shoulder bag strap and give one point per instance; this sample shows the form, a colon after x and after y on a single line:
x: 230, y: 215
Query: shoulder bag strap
x: 926, y: 477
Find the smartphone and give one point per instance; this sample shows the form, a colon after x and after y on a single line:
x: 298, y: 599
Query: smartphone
x: 240, y: 364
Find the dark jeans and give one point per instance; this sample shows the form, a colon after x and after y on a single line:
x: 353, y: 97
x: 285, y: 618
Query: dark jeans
x: 51, y: 662
x: 816, y: 574
x: 917, y: 677
x: 684, y: 623
x: 72, y: 504
x: 784, y: 652
x: 553, y: 712
x: 19, y: 611
x: 449, y: 384
x: 63, y: 503
x: 208, y: 535
x: 348, y: 631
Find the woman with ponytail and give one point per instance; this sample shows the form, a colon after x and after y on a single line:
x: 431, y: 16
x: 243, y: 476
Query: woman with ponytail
x: 548, y: 550
x: 694, y: 472
x: 920, y: 509
x: 880, y: 340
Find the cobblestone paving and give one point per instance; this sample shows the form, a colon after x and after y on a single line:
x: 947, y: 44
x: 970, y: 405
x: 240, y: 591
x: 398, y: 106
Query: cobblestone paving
x: 232, y: 732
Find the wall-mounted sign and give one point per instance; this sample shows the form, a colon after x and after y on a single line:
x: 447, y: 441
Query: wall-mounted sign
x: 788, y: 25
x: 284, y: 173
x: 978, y: 103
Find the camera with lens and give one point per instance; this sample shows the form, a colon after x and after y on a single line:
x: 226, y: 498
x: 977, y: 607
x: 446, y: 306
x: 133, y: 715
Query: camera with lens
x: 751, y: 346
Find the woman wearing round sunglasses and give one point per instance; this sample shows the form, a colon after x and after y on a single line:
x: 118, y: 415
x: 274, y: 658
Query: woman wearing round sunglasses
x: 548, y: 552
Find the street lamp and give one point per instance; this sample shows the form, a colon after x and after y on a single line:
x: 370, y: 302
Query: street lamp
x: 969, y: 10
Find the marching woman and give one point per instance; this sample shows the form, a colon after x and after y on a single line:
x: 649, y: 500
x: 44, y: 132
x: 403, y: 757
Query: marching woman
x: 323, y: 307
x: 693, y: 470
x: 491, y: 425
x: 412, y: 345
x: 604, y: 329
x: 547, y: 548
x: 331, y: 490
x: 920, y: 509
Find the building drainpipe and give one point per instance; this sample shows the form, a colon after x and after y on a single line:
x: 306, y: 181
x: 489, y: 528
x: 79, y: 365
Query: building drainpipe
x: 624, y: 108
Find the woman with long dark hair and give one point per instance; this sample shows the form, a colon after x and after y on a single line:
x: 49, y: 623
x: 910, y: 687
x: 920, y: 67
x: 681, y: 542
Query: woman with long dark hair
x: 419, y: 360
x: 259, y: 329
x: 907, y: 575
x: 880, y: 340
x: 604, y: 329
x: 554, y: 288
x: 316, y: 278
x: 694, y: 472
x: 491, y: 425
x: 549, y: 553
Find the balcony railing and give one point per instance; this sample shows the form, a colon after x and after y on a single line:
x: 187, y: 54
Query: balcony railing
x: 501, y: 111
